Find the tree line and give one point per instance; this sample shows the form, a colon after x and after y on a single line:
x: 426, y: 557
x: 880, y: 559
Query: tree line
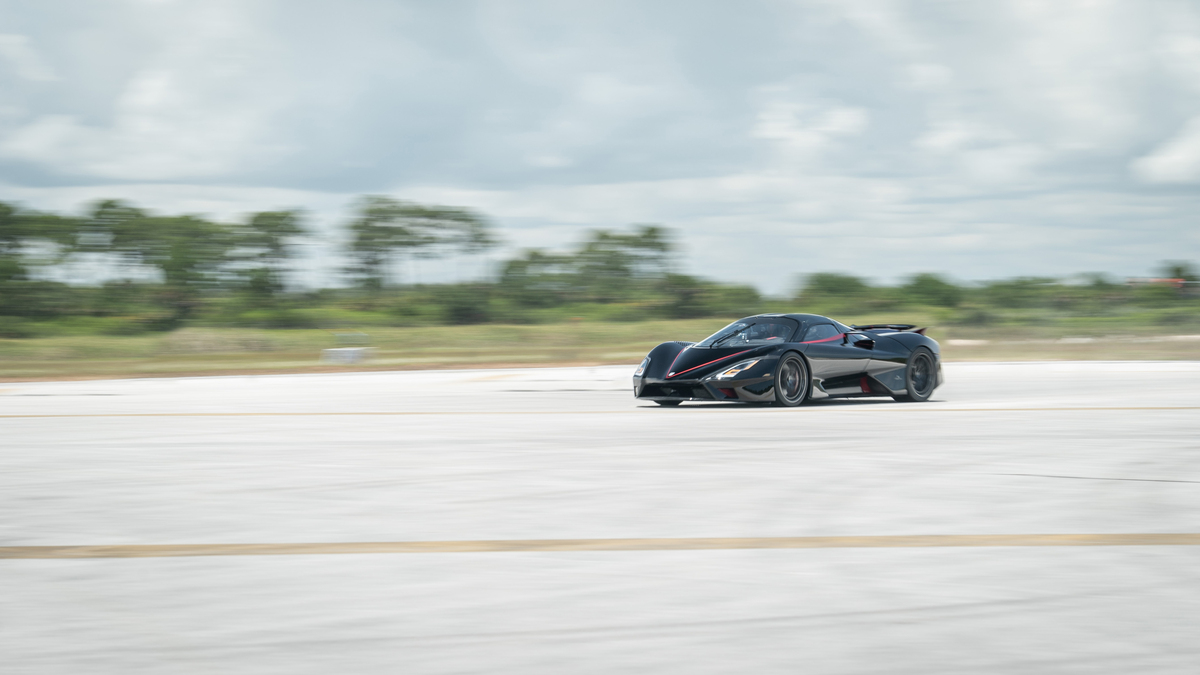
x: 164, y: 272
x: 173, y: 271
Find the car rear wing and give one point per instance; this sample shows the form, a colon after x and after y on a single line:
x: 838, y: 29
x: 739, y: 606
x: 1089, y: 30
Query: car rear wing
x: 892, y: 326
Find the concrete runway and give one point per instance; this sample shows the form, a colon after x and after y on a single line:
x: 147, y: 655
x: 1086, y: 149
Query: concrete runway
x: 470, y: 457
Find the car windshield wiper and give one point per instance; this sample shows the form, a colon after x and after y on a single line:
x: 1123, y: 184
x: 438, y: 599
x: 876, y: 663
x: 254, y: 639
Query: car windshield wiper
x: 729, y: 337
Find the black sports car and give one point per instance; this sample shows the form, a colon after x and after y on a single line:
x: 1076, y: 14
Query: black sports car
x: 787, y: 359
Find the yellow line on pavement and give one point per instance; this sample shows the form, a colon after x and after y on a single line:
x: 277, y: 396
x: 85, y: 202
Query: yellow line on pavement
x: 677, y: 411
x: 1062, y: 408
x: 566, y: 545
x: 396, y: 413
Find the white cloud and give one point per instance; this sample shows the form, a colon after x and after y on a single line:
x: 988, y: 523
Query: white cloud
x: 161, y: 131
x: 1176, y: 161
x: 800, y: 128
x: 27, y: 63
x: 1180, y: 54
x: 200, y: 105
x: 596, y: 109
x: 1003, y: 164
x: 886, y: 25
x: 951, y: 135
x: 873, y: 136
x: 927, y: 76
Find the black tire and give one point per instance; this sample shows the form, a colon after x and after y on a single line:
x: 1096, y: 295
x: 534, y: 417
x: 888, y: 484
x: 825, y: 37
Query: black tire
x: 792, y: 381
x: 669, y: 403
x: 920, y: 376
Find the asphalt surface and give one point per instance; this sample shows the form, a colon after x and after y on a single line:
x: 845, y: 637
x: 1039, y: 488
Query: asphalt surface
x: 1002, y: 527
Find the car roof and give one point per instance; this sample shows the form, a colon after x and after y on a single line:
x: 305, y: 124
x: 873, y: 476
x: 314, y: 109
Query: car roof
x: 803, y: 318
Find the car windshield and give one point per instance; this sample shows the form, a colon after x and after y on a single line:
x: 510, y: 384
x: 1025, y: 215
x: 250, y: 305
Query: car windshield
x: 751, y: 332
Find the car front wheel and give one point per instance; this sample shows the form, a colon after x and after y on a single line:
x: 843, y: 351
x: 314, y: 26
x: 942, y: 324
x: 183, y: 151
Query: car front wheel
x: 791, y: 381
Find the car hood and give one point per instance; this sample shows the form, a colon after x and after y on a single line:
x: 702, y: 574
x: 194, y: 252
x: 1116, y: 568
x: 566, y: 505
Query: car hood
x: 695, y: 362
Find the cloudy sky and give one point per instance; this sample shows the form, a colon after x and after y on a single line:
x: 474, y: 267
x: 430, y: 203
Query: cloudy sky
x: 983, y: 140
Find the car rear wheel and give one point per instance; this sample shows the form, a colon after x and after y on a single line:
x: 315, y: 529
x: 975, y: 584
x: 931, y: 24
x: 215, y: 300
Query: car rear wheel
x: 669, y: 403
x: 791, y: 381
x: 920, y: 376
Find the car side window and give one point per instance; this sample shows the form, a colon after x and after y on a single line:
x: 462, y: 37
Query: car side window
x: 822, y: 331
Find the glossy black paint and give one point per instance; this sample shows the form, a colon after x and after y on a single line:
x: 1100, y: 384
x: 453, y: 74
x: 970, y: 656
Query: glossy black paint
x: 866, y: 361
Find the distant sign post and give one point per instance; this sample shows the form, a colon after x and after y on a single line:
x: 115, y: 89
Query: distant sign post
x: 353, y: 348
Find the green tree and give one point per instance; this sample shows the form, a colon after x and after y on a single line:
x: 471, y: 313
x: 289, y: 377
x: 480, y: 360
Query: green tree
x: 539, y: 279
x: 1021, y: 292
x: 688, y: 297
x: 833, y: 284
x: 187, y: 251
x: 931, y: 289
x: 610, y: 264
x: 1179, y: 269
x: 831, y: 291
x: 21, y: 231
x: 28, y: 240
x: 388, y: 230
x: 263, y: 245
x: 607, y: 267
x: 12, y: 236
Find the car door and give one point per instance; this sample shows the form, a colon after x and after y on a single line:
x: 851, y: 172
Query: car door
x: 831, y: 353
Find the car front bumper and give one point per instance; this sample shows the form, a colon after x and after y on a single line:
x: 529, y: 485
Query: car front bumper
x: 749, y: 390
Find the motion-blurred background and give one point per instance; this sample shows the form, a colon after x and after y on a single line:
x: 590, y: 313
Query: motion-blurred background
x: 514, y: 182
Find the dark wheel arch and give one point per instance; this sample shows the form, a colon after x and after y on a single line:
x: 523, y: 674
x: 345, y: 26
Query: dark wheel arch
x: 920, y: 376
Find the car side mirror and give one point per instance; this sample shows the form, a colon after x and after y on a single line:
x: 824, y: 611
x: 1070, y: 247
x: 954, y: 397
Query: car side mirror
x: 865, y: 344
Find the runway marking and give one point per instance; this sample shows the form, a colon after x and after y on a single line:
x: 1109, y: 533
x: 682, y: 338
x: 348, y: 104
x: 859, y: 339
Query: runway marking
x: 567, y: 545
x: 1067, y: 409
x: 401, y: 413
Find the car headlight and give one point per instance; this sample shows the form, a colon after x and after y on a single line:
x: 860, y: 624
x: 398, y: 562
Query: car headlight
x: 734, y: 371
x: 642, y: 368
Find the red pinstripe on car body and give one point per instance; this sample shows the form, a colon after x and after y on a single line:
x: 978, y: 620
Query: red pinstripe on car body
x: 671, y: 374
